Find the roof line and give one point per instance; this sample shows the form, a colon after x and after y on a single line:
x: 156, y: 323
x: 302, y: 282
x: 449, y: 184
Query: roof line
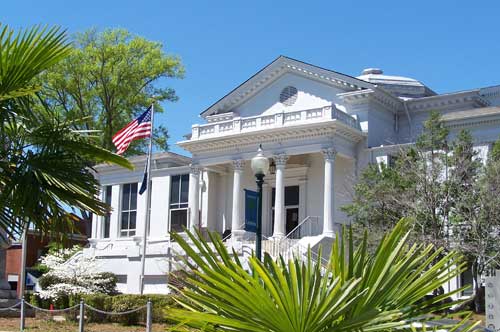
x: 365, y: 83
x: 236, y: 88
x: 333, y: 71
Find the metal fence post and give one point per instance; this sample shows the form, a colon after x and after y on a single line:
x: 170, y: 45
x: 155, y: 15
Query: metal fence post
x: 21, y: 324
x: 82, y: 315
x: 149, y: 316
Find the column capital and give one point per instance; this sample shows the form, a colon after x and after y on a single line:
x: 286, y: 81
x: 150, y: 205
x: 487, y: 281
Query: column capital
x: 195, y: 169
x: 238, y: 164
x: 329, y: 153
x: 280, y: 159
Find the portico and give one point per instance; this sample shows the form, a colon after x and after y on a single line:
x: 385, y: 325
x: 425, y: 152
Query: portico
x: 299, y: 186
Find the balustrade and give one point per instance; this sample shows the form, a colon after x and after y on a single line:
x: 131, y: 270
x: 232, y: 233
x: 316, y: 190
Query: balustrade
x: 254, y: 123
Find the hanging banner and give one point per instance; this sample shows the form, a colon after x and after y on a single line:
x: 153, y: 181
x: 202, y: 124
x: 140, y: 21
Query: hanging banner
x: 251, y: 204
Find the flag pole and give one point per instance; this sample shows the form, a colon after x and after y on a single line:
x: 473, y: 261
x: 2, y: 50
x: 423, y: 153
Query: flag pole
x: 148, y: 202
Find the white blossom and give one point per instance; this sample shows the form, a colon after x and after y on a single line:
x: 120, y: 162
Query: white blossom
x: 79, y: 274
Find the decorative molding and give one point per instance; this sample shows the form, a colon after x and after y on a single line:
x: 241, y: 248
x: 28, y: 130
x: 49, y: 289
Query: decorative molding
x: 383, y: 98
x: 195, y: 169
x: 472, y: 98
x: 471, y: 123
x: 332, y: 128
x: 238, y: 164
x: 280, y: 159
x: 277, y: 68
x: 329, y: 153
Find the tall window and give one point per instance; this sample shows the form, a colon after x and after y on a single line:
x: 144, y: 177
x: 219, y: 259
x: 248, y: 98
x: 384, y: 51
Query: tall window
x: 179, y: 193
x: 128, y: 209
x: 107, y: 217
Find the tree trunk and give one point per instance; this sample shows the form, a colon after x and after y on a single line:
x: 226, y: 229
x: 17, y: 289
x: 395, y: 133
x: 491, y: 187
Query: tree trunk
x: 478, y: 290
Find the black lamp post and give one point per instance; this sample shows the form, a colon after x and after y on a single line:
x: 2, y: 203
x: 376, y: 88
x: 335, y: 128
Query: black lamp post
x: 260, y: 167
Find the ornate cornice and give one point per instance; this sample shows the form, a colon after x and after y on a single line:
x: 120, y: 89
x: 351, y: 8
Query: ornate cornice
x: 280, y: 159
x: 446, y: 101
x: 454, y: 124
x: 363, y: 96
x: 240, y: 141
x: 277, y: 68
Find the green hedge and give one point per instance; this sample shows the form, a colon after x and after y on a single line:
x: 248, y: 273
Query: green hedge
x: 115, y: 303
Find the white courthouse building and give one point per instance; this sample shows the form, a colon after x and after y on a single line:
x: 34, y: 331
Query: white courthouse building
x: 318, y: 127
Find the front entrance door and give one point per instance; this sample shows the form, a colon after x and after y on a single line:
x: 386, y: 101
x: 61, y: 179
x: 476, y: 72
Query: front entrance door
x: 291, y: 208
x: 292, y: 218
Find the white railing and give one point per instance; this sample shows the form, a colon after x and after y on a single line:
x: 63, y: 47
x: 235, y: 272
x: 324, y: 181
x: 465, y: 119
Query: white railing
x: 278, y: 120
x: 289, y: 249
x: 310, y: 226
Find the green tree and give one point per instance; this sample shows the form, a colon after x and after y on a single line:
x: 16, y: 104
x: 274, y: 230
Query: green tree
x: 109, y: 78
x: 475, y: 214
x: 43, y: 160
x: 428, y: 168
x: 354, y: 291
x: 413, y: 186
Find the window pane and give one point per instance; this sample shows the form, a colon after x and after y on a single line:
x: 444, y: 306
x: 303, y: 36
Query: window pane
x: 107, y: 218
x: 132, y: 218
x: 178, y: 220
x: 292, y: 195
x: 124, y: 221
x: 133, y: 196
x: 174, y: 189
x: 126, y: 196
x: 107, y: 195
x: 107, y: 223
x: 273, y: 196
x: 185, y: 188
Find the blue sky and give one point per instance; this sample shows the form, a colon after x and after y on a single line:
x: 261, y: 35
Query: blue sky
x: 449, y: 45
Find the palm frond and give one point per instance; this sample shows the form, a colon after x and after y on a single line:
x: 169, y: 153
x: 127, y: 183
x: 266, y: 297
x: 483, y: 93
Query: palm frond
x: 356, y: 291
x: 25, y: 55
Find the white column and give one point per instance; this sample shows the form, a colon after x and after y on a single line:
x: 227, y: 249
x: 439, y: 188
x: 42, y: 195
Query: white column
x: 329, y: 195
x: 236, y: 217
x: 279, y: 202
x: 194, y: 197
x: 222, y: 219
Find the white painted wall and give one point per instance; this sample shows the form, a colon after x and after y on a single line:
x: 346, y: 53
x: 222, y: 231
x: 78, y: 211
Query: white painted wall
x: 160, y: 201
x: 380, y: 126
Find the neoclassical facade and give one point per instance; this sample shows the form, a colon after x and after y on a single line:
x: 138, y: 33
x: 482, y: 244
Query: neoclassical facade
x: 318, y: 128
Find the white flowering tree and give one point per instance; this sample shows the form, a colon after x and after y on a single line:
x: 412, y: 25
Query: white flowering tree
x: 71, y: 273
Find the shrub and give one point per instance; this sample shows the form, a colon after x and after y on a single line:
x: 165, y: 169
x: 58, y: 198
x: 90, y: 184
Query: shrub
x: 75, y: 277
x: 115, y: 303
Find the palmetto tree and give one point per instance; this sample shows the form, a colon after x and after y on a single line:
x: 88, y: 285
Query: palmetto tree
x: 44, y: 164
x: 355, y: 291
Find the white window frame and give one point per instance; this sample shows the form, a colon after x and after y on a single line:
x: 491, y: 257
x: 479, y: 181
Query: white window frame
x: 103, y: 218
x: 123, y: 233
x: 172, y: 209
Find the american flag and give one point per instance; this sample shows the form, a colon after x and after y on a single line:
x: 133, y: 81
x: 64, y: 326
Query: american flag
x: 136, y: 129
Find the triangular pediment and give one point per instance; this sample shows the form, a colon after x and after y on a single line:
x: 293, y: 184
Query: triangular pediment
x: 312, y: 80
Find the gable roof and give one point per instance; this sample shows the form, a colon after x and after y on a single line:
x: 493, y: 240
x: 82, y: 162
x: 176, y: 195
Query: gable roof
x: 276, y: 68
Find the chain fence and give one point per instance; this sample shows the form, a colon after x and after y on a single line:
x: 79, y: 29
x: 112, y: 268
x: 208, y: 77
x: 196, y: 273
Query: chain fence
x: 78, y: 312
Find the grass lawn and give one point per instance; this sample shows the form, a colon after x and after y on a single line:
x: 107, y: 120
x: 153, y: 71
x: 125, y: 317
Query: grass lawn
x: 46, y: 325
